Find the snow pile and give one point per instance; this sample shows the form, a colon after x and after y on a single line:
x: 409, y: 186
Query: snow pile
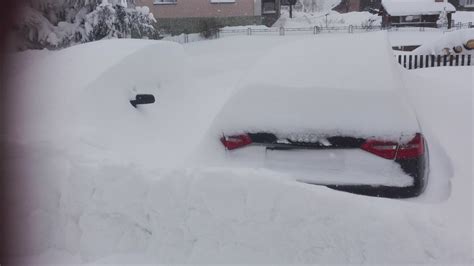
x: 107, y: 213
x: 416, y: 7
x: 447, y: 44
x: 108, y: 183
x: 99, y: 97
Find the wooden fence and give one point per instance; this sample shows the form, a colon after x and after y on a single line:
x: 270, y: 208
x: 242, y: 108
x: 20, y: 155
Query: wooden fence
x: 423, y: 61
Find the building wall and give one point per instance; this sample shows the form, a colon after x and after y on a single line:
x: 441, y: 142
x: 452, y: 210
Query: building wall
x: 202, y: 8
x: 428, y: 21
x: 348, y: 6
x: 176, y: 26
x: 466, y: 3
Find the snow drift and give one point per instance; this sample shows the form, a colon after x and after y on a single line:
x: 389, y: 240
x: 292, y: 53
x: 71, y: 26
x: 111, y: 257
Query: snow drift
x: 108, y: 183
x: 447, y: 43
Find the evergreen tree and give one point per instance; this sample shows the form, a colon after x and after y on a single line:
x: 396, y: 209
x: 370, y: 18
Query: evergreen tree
x: 56, y: 24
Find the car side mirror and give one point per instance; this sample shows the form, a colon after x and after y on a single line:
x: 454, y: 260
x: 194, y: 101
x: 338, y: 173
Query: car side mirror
x: 142, y: 99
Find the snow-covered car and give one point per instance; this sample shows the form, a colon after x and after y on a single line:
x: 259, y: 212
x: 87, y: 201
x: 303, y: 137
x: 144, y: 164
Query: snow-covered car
x: 338, y: 119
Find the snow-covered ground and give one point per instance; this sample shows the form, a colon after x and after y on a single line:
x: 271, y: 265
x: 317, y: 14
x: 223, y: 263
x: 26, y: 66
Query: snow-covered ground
x: 463, y: 16
x: 446, y: 43
x: 108, y: 183
x: 334, y: 19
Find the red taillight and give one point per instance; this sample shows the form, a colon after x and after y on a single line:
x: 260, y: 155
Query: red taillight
x: 234, y: 142
x: 383, y: 149
x: 412, y: 149
x: 389, y: 150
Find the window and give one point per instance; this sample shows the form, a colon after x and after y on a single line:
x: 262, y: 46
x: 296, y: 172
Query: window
x: 412, y: 18
x: 269, y: 7
x: 164, y: 2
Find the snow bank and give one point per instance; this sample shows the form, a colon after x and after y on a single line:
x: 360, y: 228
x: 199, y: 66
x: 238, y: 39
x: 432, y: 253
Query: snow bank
x: 413, y: 36
x: 120, y: 213
x: 85, y: 104
x: 446, y: 43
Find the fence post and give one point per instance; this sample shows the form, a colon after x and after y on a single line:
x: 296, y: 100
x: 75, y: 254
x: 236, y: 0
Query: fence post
x: 409, y: 62
x: 462, y: 60
x: 445, y: 60
x: 249, y: 31
x: 432, y: 60
x: 316, y: 30
x: 468, y: 59
x: 421, y: 61
x: 400, y: 59
x: 415, y: 65
x: 282, y: 31
x: 405, y: 61
x: 457, y: 60
x: 469, y: 25
x: 351, y: 29
x: 439, y: 60
x: 427, y: 57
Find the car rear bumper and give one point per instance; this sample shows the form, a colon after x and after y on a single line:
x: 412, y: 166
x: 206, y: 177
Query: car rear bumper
x: 417, y: 168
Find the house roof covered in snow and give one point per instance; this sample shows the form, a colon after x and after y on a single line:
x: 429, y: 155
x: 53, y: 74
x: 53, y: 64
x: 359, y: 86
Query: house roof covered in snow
x: 416, y: 7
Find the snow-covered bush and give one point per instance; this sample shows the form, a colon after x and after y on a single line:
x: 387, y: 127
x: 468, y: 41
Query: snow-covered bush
x: 57, y: 24
x: 208, y: 27
x: 368, y: 24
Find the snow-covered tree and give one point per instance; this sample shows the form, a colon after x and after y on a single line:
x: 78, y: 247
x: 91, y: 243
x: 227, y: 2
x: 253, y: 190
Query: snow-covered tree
x: 312, y: 5
x: 443, y: 17
x: 60, y: 23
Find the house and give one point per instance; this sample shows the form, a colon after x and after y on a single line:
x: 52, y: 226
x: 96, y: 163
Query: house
x: 178, y: 16
x: 346, y: 6
x: 415, y: 13
x: 466, y: 4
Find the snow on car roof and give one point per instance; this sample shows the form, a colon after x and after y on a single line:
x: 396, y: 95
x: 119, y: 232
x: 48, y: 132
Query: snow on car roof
x: 415, y: 7
x: 339, y: 85
x: 356, y: 61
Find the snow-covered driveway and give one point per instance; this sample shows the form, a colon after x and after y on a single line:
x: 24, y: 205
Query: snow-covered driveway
x: 111, y: 184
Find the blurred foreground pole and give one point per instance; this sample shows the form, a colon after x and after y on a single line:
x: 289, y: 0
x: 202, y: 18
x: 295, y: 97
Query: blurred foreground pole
x: 8, y: 12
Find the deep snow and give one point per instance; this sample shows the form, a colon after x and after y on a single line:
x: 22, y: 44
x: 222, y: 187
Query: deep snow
x: 448, y: 41
x: 318, y: 75
x: 113, y: 184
